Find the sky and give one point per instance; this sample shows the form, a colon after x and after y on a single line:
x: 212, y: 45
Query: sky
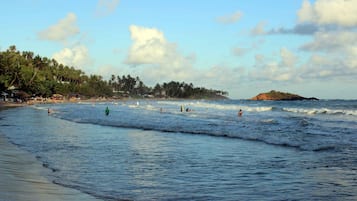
x: 307, y: 47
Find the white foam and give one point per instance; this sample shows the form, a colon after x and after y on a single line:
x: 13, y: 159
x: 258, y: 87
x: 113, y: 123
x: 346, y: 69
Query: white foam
x: 314, y: 111
x: 231, y: 107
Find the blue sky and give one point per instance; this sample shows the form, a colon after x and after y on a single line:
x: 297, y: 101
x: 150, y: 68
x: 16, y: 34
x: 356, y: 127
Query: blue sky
x: 243, y: 47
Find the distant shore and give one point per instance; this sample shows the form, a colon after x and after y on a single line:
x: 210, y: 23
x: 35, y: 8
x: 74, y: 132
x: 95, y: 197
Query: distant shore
x: 4, y: 105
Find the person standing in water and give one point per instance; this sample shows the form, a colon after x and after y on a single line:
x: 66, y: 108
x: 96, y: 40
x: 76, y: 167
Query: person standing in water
x: 107, y: 111
x: 240, y: 113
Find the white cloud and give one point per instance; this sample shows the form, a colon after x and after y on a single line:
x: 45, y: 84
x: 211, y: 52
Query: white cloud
x: 62, y: 31
x: 259, y: 58
x: 340, y: 64
x: 275, y: 71
x: 107, y: 70
x: 223, y: 77
x: 351, y: 58
x: 230, y: 19
x: 288, y: 59
x: 159, y: 58
x: 332, y: 49
x: 106, y: 7
x: 258, y: 29
x: 333, y: 55
x: 271, y: 72
x: 159, y: 61
x: 320, y: 67
x: 149, y: 46
x: 329, y: 12
x: 237, y: 51
x: 332, y: 41
x: 77, y: 56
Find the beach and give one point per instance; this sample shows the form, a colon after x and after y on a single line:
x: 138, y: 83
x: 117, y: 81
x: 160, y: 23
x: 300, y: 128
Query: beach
x: 274, y: 151
x: 22, y: 176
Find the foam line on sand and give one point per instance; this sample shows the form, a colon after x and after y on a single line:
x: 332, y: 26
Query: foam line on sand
x: 21, y: 179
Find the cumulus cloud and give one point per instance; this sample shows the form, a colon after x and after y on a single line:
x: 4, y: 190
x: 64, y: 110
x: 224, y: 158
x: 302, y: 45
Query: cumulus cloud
x: 288, y: 58
x: 333, y: 55
x: 149, y: 46
x: 275, y: 71
x: 327, y: 12
x: 322, y: 16
x: 106, y: 7
x: 258, y: 29
x: 159, y: 57
x: 77, y: 56
x: 231, y: 18
x: 332, y: 49
x: 268, y: 72
x: 160, y: 61
x: 62, y: 30
x: 322, y: 67
x: 221, y: 77
x: 332, y: 41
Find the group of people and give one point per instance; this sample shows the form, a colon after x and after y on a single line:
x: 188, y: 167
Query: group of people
x: 240, y: 112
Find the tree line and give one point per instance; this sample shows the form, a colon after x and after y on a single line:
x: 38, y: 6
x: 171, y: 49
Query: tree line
x: 33, y: 75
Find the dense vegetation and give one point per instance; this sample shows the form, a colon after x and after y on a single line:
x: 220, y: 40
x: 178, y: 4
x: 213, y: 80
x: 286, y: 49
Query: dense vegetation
x: 33, y: 75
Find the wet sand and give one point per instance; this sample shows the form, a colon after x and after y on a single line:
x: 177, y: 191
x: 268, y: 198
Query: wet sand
x: 21, y: 178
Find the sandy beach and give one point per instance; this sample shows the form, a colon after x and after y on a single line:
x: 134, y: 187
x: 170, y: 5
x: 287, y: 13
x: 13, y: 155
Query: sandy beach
x: 21, y: 178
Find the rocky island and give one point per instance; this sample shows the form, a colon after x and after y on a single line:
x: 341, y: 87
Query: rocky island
x: 277, y: 95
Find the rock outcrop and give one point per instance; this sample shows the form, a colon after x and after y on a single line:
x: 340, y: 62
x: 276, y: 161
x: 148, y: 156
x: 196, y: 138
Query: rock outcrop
x: 277, y: 95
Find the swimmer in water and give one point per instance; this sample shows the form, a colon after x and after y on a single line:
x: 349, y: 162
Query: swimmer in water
x: 240, y: 113
x: 107, y: 111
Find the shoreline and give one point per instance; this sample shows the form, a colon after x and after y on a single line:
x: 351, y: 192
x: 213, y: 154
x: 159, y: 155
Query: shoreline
x: 21, y: 178
x: 5, y: 104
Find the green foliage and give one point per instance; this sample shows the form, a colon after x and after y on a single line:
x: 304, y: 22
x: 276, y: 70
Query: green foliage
x: 40, y: 76
x: 183, y: 90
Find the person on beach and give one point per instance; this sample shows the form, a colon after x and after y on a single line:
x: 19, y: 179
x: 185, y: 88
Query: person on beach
x: 107, y: 111
x: 48, y: 111
x: 182, y: 108
x: 240, y: 113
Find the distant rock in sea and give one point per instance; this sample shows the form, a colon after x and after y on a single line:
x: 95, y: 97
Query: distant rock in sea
x: 277, y: 95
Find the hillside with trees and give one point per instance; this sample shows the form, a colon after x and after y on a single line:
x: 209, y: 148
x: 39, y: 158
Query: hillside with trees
x: 32, y: 75
x: 280, y: 96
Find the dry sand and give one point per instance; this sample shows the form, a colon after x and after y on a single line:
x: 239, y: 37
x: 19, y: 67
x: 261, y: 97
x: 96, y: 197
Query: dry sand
x: 21, y: 178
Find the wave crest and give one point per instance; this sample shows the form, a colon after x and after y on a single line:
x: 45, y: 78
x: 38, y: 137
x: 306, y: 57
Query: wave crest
x: 314, y: 111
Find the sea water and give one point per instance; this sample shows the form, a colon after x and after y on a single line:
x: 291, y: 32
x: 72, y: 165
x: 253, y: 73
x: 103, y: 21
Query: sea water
x: 150, y: 150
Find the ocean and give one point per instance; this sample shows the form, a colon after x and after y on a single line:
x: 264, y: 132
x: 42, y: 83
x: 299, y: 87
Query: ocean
x: 150, y: 150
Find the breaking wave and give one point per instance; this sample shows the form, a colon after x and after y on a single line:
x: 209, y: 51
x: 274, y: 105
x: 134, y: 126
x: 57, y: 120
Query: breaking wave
x: 314, y: 111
